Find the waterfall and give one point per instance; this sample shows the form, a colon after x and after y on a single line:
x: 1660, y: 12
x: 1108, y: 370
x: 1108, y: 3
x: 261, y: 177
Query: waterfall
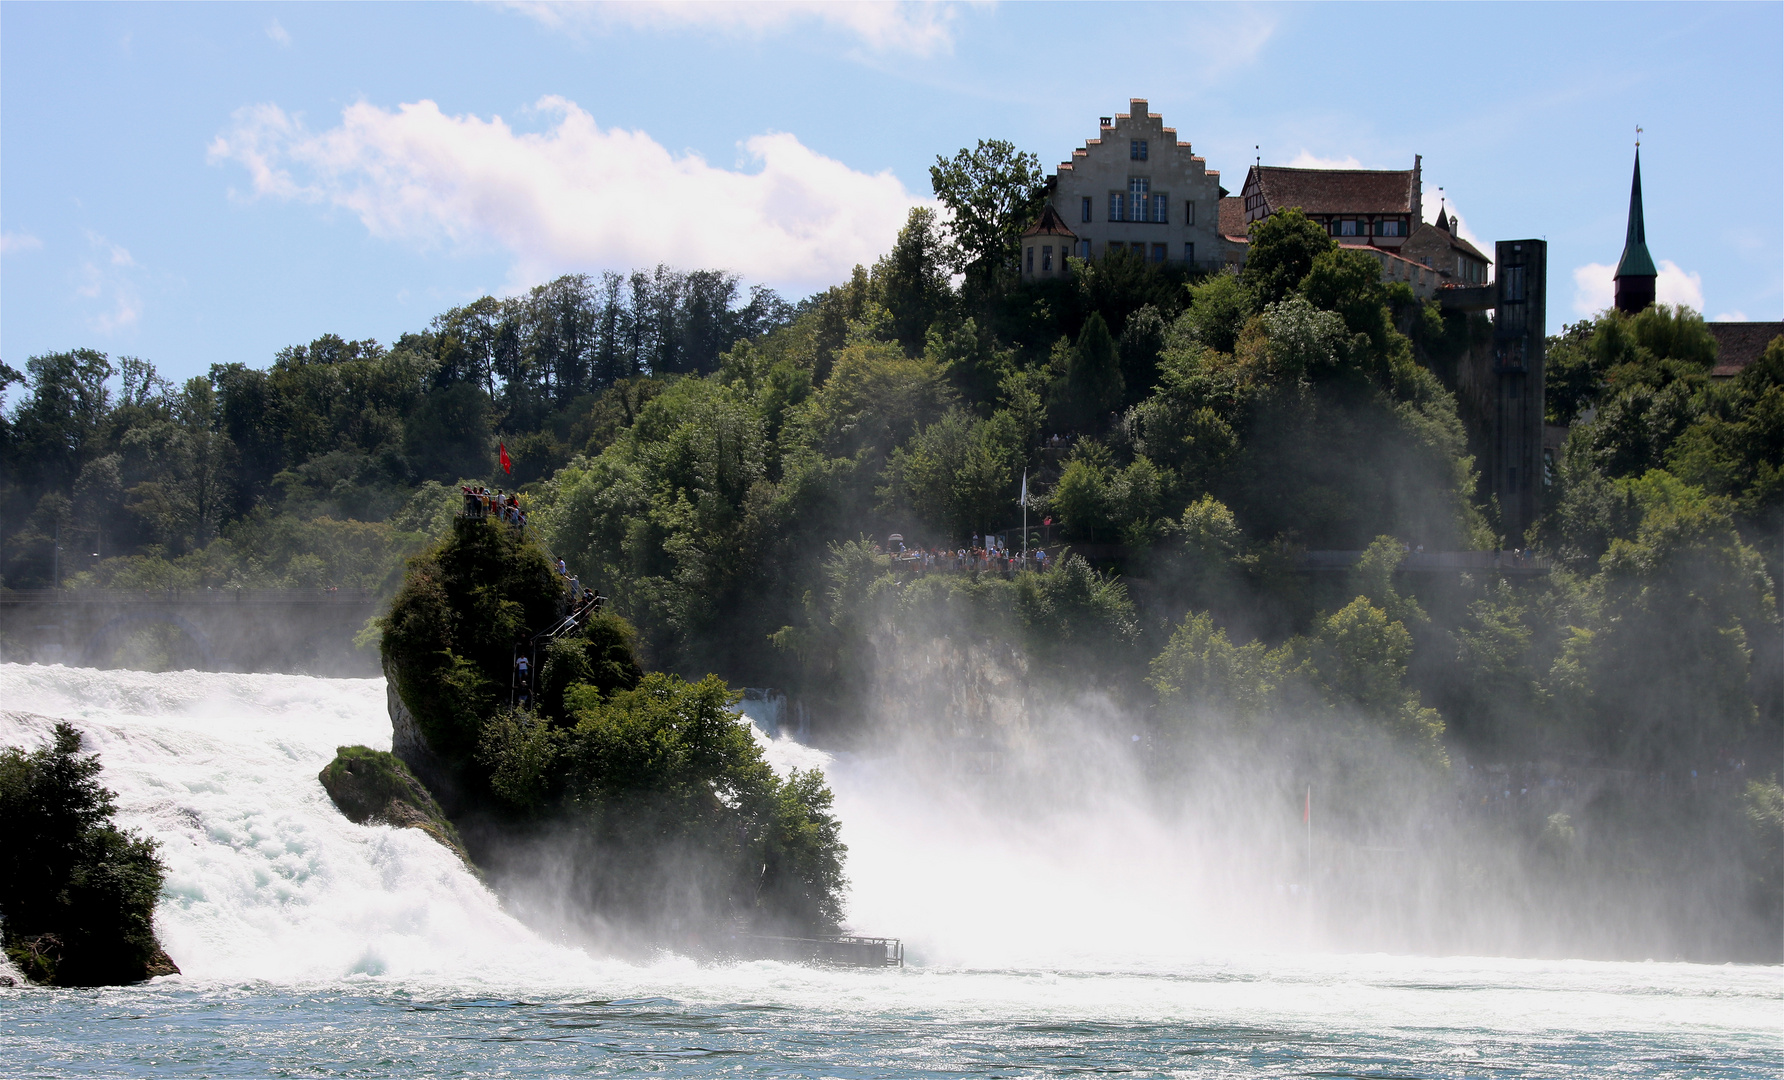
x: 265, y: 879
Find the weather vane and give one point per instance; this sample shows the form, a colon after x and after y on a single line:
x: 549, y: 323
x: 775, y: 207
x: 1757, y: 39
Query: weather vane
x: 1638, y: 136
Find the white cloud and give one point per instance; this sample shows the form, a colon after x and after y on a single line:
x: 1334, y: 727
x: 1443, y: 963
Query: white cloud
x: 277, y: 33
x: 1307, y: 160
x: 574, y: 197
x: 921, y: 29
x: 1732, y: 316
x: 1593, y: 289
x: 12, y: 243
x: 107, y: 280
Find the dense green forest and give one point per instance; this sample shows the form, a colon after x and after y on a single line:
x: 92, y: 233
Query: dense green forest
x: 721, y: 463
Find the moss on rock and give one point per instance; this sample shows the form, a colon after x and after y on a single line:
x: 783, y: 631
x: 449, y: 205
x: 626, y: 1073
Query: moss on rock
x: 374, y: 786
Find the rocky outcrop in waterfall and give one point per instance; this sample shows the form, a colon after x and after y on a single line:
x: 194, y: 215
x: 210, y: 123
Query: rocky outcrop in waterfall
x: 77, y: 893
x: 371, y: 786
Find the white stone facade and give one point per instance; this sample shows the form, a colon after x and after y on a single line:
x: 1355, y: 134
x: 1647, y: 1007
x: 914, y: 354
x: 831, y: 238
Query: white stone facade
x: 1137, y: 189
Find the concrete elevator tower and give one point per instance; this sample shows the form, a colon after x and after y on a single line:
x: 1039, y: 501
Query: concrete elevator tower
x: 1635, y: 270
x: 1520, y: 321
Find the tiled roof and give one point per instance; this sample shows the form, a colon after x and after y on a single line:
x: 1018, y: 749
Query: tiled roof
x: 1232, y: 217
x: 1738, y: 344
x: 1049, y: 224
x: 1467, y: 249
x: 1336, y: 191
x: 1428, y: 242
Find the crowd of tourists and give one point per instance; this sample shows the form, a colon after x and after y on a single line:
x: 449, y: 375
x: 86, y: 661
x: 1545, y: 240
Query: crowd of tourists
x: 985, y: 554
x: 481, y: 502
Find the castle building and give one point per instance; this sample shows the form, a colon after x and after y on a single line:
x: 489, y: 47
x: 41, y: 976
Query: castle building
x: 1438, y: 246
x: 1138, y: 191
x: 1134, y: 190
x: 1635, y: 274
x: 1357, y: 206
x: 1045, y: 246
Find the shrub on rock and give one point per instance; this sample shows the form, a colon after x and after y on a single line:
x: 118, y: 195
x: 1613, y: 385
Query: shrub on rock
x: 77, y: 894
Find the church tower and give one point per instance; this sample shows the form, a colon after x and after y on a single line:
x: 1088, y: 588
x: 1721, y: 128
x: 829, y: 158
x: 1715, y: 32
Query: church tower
x: 1635, y: 270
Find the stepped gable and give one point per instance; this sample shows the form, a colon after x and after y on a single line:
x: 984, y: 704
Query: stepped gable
x: 1739, y: 344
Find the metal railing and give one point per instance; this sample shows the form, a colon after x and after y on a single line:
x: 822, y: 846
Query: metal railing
x: 221, y: 595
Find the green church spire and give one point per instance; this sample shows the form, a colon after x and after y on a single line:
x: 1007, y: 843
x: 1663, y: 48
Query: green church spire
x: 1636, y: 262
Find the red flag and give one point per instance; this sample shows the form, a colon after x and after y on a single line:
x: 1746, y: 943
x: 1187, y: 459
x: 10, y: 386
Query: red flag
x: 507, y: 466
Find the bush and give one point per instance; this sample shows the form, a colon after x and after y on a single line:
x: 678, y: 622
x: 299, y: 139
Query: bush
x: 77, y: 894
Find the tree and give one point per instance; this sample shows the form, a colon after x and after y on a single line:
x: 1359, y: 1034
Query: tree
x: 912, y: 279
x: 1093, y: 382
x: 1281, y: 253
x: 1142, y: 340
x: 1682, y: 595
x: 1203, y: 678
x: 1218, y: 308
x: 77, y: 894
x: 992, y: 193
x: 954, y: 474
x: 1348, y: 283
x: 192, y: 462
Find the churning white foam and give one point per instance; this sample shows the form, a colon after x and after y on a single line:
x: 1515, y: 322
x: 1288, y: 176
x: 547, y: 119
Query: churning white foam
x: 266, y: 879
x: 267, y: 882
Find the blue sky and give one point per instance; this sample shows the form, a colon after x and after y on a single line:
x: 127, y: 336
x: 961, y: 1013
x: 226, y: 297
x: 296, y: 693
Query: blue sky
x: 206, y: 183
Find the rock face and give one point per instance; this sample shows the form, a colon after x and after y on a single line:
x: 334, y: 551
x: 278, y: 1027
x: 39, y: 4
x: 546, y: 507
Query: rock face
x: 373, y: 786
x: 42, y: 958
x: 409, y: 744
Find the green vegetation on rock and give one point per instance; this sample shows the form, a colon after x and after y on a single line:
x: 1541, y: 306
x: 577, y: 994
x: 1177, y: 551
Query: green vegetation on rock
x: 77, y: 894
x: 660, y: 807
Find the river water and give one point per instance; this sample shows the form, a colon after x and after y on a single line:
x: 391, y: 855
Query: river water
x: 314, y: 947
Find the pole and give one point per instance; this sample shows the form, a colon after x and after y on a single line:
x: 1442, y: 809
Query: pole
x: 1025, y: 517
x: 1307, y: 820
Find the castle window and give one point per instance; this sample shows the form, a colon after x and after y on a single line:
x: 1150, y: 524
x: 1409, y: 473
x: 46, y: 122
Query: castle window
x: 1159, y: 203
x: 1047, y: 258
x: 1189, y: 253
x: 1158, y: 253
x: 1136, y: 150
x: 1115, y: 206
x: 1189, y: 212
x: 1086, y: 209
x: 1347, y: 227
x: 1137, y: 186
x: 1391, y: 227
x: 1083, y: 249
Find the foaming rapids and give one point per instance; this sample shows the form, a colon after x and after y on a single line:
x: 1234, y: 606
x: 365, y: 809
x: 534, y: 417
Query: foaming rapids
x: 1062, y: 856
x: 266, y: 879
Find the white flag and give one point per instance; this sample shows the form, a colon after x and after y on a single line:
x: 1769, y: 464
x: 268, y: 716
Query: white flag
x: 1024, y: 487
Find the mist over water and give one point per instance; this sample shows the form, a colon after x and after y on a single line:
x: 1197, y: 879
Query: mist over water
x: 1057, y: 916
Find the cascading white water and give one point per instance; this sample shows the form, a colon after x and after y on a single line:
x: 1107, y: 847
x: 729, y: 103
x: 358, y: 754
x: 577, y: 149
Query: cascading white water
x: 1030, y: 938
x: 266, y: 879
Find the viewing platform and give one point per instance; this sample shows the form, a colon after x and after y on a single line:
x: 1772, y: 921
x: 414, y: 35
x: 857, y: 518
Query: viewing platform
x: 839, y: 951
x: 1501, y: 563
